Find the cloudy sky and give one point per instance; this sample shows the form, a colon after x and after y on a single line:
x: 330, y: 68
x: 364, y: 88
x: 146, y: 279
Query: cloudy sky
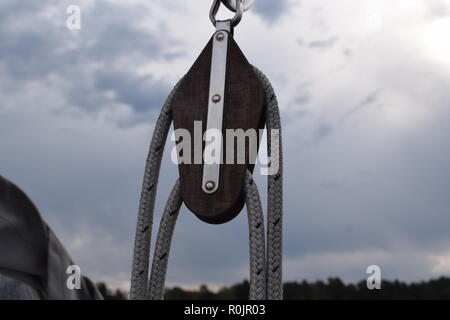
x: 364, y: 90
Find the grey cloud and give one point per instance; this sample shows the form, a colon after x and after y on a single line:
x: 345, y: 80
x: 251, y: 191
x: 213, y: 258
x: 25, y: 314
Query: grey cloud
x: 54, y: 72
x: 334, y: 185
x: 323, y: 44
x: 109, y: 33
x: 319, y: 44
x: 112, y: 31
x: 7, y: 7
x: 124, y: 40
x: 141, y: 92
x: 407, y: 264
x: 367, y: 101
x: 392, y: 199
x: 437, y: 8
x: 303, y: 99
x: 348, y: 53
x: 322, y: 131
x: 271, y: 10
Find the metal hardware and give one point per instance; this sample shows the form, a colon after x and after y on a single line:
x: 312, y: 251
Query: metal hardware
x: 220, y: 36
x: 216, y: 102
x: 210, y: 186
x: 231, y: 4
x: 234, y: 21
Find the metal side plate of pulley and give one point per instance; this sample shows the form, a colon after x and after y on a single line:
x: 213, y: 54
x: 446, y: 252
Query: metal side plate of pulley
x: 220, y: 95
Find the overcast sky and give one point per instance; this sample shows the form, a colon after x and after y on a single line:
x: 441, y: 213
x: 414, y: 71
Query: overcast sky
x: 364, y: 90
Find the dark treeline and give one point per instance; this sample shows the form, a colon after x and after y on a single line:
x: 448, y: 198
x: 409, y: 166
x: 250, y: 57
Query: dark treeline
x: 333, y: 289
x: 108, y: 294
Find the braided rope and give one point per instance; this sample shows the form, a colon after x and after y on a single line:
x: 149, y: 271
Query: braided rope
x: 265, y: 266
x: 163, y: 243
x: 256, y: 243
x: 275, y: 194
x: 141, y: 255
x: 257, y: 240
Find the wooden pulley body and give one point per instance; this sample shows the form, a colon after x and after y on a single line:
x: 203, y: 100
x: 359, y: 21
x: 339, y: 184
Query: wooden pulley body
x: 221, y: 91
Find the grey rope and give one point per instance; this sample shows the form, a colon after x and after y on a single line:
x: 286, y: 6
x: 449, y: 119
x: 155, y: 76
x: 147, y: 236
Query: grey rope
x: 275, y: 193
x: 163, y: 242
x: 141, y: 255
x: 257, y: 240
x: 265, y: 275
x: 256, y: 235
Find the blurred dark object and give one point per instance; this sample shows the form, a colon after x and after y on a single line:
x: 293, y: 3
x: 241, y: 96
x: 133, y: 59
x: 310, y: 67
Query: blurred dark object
x: 11, y: 289
x: 31, y: 254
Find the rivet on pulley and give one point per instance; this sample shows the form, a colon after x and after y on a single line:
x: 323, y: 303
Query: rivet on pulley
x: 220, y: 36
x: 210, y: 186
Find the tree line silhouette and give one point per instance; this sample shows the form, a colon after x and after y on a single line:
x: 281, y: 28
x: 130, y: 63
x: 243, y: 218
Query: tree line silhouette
x: 332, y: 289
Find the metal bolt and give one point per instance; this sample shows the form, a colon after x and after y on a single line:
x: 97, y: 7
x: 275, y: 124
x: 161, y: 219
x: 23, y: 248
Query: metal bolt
x: 216, y: 98
x: 210, y: 185
x: 220, y: 36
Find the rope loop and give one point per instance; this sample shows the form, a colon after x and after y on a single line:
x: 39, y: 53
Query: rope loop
x: 265, y: 254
